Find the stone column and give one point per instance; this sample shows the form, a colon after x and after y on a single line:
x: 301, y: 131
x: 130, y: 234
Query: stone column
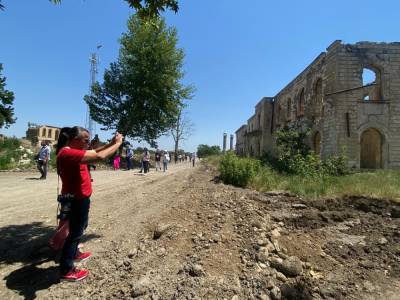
x: 224, y: 143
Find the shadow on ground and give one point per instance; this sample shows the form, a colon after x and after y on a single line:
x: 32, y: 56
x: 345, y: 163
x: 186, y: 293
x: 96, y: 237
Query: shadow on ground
x: 28, y: 244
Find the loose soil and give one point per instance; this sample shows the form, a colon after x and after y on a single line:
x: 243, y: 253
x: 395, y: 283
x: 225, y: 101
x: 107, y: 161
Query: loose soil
x: 184, y: 235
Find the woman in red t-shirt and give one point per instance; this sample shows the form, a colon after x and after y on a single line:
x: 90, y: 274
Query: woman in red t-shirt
x: 72, y: 159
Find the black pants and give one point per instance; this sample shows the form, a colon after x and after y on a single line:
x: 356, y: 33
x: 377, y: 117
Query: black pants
x: 78, y: 222
x: 128, y: 163
x: 42, y: 167
x: 146, y: 166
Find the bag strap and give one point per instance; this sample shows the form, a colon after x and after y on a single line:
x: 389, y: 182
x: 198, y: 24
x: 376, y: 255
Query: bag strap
x: 58, y: 193
x: 58, y: 185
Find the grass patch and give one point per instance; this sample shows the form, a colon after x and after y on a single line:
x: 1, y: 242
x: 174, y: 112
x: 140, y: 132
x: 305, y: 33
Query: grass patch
x: 377, y: 184
x: 213, y: 160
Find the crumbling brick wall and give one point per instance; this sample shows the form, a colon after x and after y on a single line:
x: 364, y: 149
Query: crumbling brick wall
x: 343, y: 112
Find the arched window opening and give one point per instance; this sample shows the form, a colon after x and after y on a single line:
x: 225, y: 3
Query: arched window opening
x: 318, y: 98
x: 56, y: 134
x: 300, y: 104
x: 371, y: 81
x: 368, y: 76
x: 44, y: 132
x: 49, y: 133
x: 279, y: 115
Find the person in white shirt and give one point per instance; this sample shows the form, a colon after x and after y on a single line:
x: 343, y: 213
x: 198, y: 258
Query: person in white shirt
x: 165, y: 158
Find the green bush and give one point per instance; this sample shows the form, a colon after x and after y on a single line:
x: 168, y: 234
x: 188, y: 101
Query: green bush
x: 295, y: 157
x: 308, y: 165
x: 238, y: 171
x: 9, y: 144
x: 336, y: 165
x: 9, y: 153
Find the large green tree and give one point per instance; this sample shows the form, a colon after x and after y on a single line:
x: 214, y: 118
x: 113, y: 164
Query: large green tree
x: 142, y: 93
x: 6, y: 101
x: 205, y: 150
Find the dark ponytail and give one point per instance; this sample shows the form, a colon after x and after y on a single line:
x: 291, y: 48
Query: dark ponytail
x: 67, y: 134
x: 63, y: 138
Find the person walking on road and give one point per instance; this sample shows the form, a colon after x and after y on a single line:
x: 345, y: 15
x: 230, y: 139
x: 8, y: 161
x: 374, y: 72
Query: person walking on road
x: 146, y: 160
x: 165, y: 159
x: 194, y: 158
x: 128, y: 157
x: 117, y: 161
x: 73, y: 158
x: 43, y: 159
x: 158, y: 159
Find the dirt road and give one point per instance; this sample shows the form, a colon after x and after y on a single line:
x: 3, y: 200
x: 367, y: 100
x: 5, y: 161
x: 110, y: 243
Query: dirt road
x: 183, y: 235
x: 122, y: 204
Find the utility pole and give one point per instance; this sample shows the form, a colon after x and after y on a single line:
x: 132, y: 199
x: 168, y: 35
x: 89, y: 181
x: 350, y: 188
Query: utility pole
x: 90, y: 125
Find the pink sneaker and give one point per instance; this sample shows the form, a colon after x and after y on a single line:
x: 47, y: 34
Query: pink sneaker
x: 82, y: 256
x: 75, y: 275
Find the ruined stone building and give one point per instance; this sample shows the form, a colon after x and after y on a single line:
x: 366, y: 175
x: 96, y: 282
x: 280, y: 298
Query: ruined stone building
x: 349, y: 97
x: 38, y: 133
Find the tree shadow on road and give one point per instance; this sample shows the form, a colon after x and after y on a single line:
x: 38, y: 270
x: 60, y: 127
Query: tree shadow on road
x: 31, y: 278
x: 28, y: 244
x: 25, y: 243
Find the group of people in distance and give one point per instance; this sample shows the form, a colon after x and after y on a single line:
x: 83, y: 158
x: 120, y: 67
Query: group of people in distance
x: 161, y: 157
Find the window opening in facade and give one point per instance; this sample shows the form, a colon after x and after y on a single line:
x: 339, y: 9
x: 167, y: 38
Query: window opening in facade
x: 371, y: 81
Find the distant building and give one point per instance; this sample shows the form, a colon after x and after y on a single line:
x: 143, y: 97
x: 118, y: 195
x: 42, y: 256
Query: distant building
x: 38, y: 133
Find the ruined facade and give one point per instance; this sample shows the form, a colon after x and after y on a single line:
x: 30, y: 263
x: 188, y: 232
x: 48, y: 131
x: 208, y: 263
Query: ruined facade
x: 38, y: 133
x: 349, y: 97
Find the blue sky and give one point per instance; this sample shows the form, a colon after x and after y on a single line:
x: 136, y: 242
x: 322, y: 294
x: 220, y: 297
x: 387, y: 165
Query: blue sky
x: 236, y: 53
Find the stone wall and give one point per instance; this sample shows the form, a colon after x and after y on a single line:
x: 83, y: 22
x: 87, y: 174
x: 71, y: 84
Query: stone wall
x: 344, y: 112
x: 41, y: 133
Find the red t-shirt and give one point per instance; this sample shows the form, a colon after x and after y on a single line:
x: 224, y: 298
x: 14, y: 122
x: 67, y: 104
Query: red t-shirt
x: 74, y: 175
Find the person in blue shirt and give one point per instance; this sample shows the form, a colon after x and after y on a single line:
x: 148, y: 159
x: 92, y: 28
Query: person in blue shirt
x: 43, y: 159
x: 128, y: 157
